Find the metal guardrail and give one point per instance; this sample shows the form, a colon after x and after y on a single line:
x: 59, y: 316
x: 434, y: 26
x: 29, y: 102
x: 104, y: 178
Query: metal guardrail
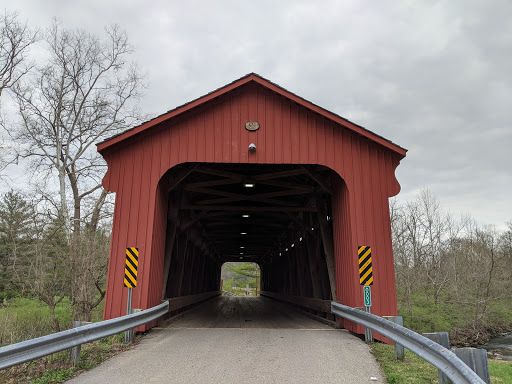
x: 430, y: 351
x: 228, y: 293
x: 46, y: 345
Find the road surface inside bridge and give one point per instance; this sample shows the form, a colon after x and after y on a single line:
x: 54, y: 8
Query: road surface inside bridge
x: 241, y: 340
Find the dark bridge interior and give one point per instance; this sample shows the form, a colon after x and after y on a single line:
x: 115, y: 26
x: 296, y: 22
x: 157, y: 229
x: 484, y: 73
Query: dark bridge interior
x: 275, y: 215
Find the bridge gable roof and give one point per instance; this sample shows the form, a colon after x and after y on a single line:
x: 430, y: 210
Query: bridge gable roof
x: 247, y: 79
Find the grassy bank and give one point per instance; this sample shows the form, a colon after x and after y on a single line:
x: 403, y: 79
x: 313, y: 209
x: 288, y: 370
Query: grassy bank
x: 56, y: 368
x: 24, y: 318
x: 415, y: 370
x: 456, y: 317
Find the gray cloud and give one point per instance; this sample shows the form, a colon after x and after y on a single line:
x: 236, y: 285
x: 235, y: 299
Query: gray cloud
x: 433, y: 77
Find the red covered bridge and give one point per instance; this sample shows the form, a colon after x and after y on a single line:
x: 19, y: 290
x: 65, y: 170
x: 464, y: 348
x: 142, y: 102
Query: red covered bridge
x: 251, y: 172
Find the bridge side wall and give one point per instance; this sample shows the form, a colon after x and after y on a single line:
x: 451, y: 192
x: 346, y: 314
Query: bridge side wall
x: 289, y: 134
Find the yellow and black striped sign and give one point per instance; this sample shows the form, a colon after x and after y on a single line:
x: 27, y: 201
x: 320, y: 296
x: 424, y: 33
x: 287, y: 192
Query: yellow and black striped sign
x: 130, y: 270
x: 365, y: 265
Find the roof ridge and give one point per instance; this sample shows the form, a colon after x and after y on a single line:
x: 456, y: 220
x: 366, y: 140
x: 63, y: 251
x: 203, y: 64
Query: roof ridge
x: 322, y: 111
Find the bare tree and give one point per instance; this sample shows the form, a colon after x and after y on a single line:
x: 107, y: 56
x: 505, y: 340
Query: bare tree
x: 87, y: 91
x: 15, y: 39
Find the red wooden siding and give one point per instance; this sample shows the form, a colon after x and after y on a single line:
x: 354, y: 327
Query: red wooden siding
x: 213, y: 131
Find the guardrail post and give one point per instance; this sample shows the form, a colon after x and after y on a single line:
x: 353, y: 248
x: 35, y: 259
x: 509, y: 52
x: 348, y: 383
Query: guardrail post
x: 74, y: 353
x: 128, y: 334
x: 443, y: 339
x: 399, y: 349
x: 368, y: 332
x: 476, y: 359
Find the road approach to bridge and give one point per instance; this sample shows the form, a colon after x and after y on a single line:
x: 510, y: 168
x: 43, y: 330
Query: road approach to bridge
x: 237, y: 339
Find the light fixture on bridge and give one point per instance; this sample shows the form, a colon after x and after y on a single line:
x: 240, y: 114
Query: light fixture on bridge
x: 243, y: 233
x: 241, y: 258
x: 249, y: 185
x: 293, y: 245
x: 241, y: 253
x: 246, y: 215
x: 279, y: 253
x: 242, y: 247
x: 286, y: 249
x: 300, y: 238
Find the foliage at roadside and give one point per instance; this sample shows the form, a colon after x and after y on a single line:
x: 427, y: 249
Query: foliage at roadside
x: 54, y: 238
x: 452, y: 274
x: 237, y: 276
x: 411, y: 370
x: 56, y: 368
x: 500, y: 371
x: 23, y: 318
x: 415, y: 370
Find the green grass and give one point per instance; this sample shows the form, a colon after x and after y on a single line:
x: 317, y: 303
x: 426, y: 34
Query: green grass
x: 500, y: 371
x: 54, y: 376
x: 412, y: 370
x: 415, y: 370
x: 24, y: 318
x: 18, y: 319
x: 56, y: 368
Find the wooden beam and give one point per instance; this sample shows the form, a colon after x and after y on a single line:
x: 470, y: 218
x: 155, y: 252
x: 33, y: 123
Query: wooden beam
x: 247, y: 208
x: 191, y: 221
x: 211, y: 183
x: 324, y: 185
x: 311, y: 245
x: 179, y: 177
x: 328, y: 241
x: 218, y: 172
x: 277, y: 175
x: 284, y: 184
x: 172, y: 225
x: 238, y: 197
x: 263, y: 197
x: 184, y: 301
x: 306, y: 302
x: 230, y: 223
x: 305, y: 227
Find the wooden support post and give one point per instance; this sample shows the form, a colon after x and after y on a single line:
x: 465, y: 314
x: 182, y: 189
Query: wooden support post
x: 313, y: 267
x: 182, y: 258
x: 200, y: 275
x: 208, y: 276
x: 303, y: 290
x: 328, y: 241
x: 172, y: 225
x: 187, y: 270
x: 190, y: 271
x: 291, y: 275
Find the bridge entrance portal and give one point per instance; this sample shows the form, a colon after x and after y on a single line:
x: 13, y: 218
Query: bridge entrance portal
x: 253, y: 171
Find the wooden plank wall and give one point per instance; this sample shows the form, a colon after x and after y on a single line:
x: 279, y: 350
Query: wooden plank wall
x: 289, y: 134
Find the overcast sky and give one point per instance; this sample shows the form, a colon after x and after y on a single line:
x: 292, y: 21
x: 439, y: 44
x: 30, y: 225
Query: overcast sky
x: 434, y: 77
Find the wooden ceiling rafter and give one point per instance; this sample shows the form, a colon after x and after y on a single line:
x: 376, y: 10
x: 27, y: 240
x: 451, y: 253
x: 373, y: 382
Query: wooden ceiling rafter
x: 233, y: 197
x: 211, y: 216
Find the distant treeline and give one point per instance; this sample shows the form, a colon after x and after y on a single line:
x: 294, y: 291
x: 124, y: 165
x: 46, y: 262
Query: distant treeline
x: 451, y: 273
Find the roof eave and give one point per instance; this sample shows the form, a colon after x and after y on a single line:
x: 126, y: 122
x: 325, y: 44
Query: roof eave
x: 267, y: 84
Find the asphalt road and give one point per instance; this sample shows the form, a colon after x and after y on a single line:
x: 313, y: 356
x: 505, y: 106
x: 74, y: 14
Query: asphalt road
x: 249, y: 347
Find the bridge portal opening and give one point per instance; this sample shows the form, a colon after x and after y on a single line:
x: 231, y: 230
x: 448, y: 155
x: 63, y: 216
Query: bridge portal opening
x: 240, y: 278
x: 275, y: 217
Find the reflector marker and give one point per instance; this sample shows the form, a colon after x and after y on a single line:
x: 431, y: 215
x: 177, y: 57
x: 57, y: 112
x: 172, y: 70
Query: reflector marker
x: 130, y: 269
x: 364, y: 253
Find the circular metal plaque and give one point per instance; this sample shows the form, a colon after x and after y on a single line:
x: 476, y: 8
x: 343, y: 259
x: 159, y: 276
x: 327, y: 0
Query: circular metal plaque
x: 252, y: 126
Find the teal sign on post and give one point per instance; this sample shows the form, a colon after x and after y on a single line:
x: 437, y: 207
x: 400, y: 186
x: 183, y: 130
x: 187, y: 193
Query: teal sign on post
x: 367, y: 296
